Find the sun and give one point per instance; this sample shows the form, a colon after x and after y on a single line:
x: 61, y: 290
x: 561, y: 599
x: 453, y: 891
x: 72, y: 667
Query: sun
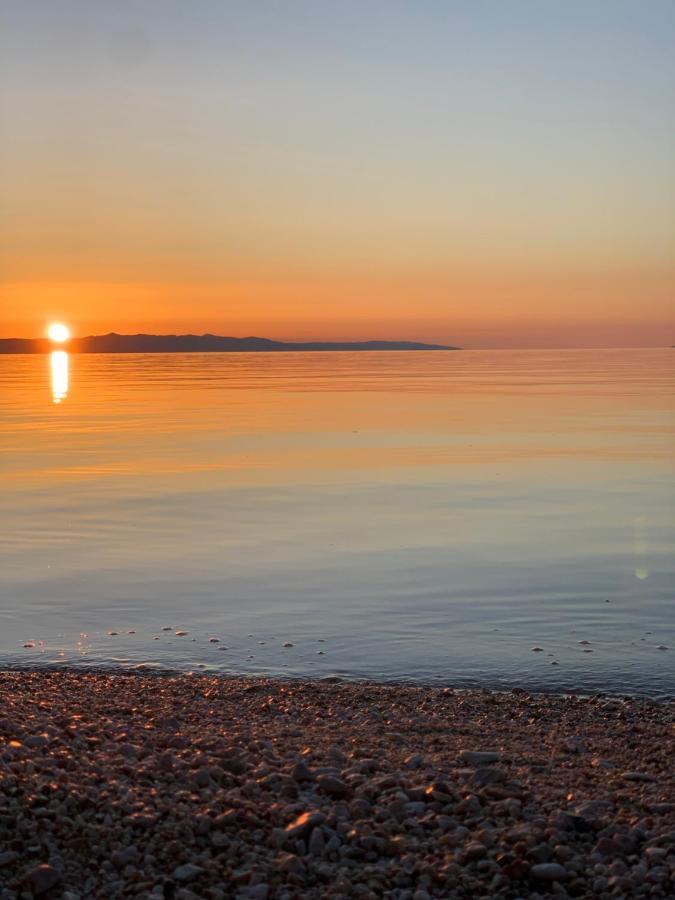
x: 58, y: 333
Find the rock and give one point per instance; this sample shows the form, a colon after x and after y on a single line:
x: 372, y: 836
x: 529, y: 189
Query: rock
x: 290, y: 863
x: 301, y: 827
x: 300, y: 772
x: 8, y: 857
x: 258, y: 891
x: 479, y: 757
x: 549, y: 872
x: 483, y: 777
x: 638, y: 776
x: 475, y: 850
x: 414, y: 761
x: 35, y: 740
x: 573, y: 745
x: 42, y: 879
x: 187, y: 872
x: 655, y: 855
x: 202, y: 778
x: 317, y: 843
x: 333, y: 786
x: 607, y: 847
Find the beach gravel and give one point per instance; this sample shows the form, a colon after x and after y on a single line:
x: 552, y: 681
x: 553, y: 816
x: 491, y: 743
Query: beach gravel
x: 190, y: 786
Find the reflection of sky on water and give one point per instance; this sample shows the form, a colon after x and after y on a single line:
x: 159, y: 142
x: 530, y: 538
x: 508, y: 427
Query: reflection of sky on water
x: 426, y: 515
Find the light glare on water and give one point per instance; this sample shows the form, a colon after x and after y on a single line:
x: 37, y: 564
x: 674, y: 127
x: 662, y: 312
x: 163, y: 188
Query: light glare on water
x: 397, y: 515
x: 59, y: 369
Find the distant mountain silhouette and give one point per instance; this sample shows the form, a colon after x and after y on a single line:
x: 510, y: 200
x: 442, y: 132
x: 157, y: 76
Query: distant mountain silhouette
x: 196, y: 343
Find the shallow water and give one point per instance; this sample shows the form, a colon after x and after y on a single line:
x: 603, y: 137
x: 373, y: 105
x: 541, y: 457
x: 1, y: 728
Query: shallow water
x: 397, y: 515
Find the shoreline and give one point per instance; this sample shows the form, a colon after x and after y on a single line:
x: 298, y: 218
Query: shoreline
x: 160, y: 670
x: 164, y: 784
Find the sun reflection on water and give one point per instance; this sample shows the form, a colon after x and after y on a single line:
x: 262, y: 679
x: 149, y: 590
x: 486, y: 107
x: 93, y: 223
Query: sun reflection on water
x: 59, y: 366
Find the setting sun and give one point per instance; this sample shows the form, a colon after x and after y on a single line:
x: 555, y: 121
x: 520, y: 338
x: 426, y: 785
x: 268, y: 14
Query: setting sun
x: 58, y: 333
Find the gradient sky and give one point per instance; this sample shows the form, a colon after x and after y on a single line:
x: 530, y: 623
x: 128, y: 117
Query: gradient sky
x: 493, y: 173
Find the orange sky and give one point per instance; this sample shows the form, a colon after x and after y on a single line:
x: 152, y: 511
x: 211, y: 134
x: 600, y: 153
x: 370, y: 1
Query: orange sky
x: 463, y: 175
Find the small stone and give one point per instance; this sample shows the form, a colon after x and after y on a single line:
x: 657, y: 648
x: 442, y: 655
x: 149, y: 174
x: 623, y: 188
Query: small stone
x: 187, y: 872
x: 181, y: 633
x: 537, y: 649
x: 573, y: 745
x: 202, y: 778
x: 42, y: 879
x: 7, y: 858
x: 638, y: 776
x: 214, y: 640
x: 301, y: 827
x: 258, y: 891
x: 655, y: 854
x: 414, y: 761
x: 333, y: 786
x: 479, y: 757
x: 549, y: 872
x: 287, y: 644
x: 475, y: 850
x: 35, y: 740
x: 300, y: 772
x: 317, y: 843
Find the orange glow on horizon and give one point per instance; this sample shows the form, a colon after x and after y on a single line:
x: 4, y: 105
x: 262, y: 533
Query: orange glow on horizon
x: 466, y: 307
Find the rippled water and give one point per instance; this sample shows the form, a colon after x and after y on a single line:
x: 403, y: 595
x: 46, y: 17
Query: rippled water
x: 397, y: 515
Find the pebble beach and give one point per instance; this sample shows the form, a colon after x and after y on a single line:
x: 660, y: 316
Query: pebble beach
x: 190, y: 786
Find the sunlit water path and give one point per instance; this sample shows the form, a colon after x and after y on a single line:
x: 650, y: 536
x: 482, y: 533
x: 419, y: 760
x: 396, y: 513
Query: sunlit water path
x: 398, y: 515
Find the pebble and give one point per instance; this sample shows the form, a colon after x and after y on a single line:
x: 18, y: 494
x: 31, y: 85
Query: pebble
x: 231, y: 787
x: 42, y: 879
x: 333, y: 786
x: 303, y: 825
x: 187, y: 872
x: 479, y: 757
x: 549, y: 871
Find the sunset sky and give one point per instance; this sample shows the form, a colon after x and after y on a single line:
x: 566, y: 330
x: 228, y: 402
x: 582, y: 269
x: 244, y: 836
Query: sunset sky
x: 490, y: 173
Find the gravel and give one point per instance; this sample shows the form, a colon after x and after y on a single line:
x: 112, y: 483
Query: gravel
x: 190, y: 786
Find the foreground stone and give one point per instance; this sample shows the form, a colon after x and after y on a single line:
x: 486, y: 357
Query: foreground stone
x: 138, y: 786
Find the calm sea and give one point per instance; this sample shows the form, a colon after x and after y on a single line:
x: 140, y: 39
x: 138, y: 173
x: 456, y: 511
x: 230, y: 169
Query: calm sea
x: 430, y: 516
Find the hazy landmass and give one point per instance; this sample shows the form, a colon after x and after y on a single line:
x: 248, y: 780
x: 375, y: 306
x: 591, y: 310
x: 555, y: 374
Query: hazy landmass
x: 196, y: 343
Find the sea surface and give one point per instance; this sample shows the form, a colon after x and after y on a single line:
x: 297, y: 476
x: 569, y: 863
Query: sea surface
x: 496, y: 518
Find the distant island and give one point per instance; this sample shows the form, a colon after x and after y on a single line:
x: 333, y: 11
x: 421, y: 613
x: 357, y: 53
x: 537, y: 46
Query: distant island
x: 197, y: 343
